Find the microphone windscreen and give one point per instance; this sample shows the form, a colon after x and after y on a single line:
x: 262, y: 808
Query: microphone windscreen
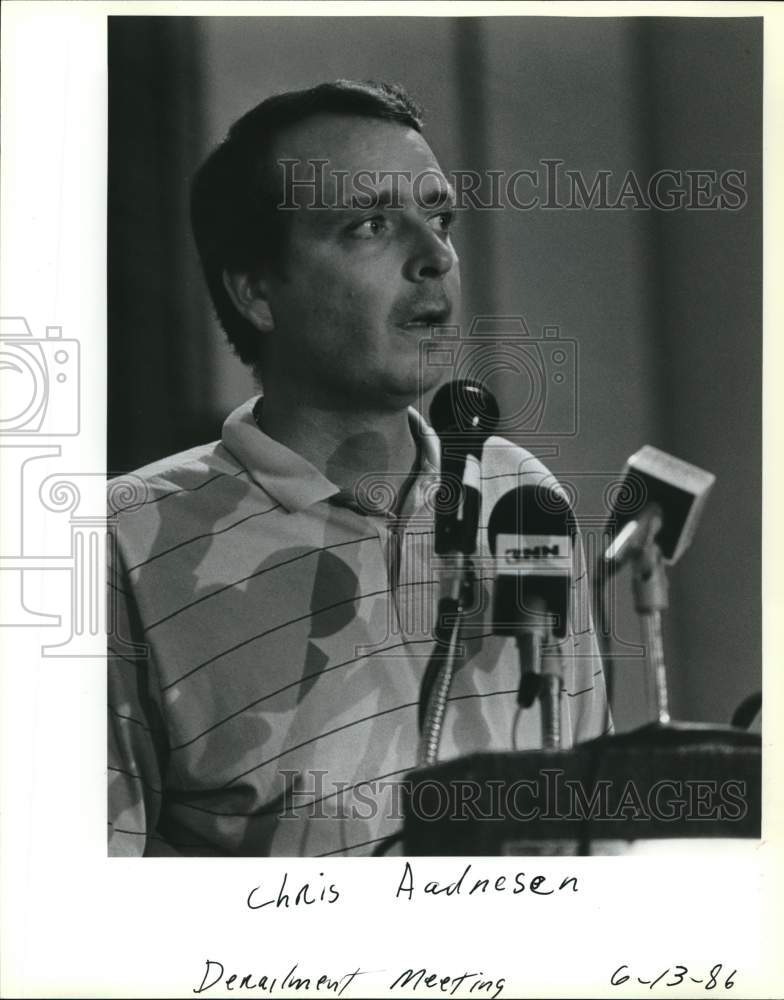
x: 464, y: 413
x: 531, y: 534
x: 677, y: 490
x: 464, y: 408
x: 528, y: 511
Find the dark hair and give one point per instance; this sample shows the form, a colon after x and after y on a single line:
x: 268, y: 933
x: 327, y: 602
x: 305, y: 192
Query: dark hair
x: 234, y: 198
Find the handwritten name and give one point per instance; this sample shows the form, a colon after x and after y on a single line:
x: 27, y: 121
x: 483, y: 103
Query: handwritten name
x: 538, y: 885
x: 306, y: 894
x: 319, y: 892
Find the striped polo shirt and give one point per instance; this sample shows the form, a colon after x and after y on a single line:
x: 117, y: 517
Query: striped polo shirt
x: 267, y: 642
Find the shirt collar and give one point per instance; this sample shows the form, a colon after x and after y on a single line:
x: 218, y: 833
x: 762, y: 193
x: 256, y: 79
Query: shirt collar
x: 288, y: 477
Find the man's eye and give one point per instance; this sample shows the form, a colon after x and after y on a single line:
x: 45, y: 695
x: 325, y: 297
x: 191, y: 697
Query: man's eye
x: 370, y: 227
x: 443, y: 222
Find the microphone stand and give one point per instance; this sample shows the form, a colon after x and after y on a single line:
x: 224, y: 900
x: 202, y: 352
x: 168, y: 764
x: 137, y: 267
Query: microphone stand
x: 444, y: 660
x: 536, y: 682
x: 649, y: 582
x: 550, y: 707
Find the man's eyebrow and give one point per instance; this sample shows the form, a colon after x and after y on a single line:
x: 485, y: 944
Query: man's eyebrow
x: 430, y: 197
x: 437, y: 196
x: 378, y: 199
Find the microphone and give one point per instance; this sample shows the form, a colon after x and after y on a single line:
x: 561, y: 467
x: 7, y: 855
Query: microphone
x: 655, y: 514
x: 658, y: 494
x: 464, y: 414
x: 531, y: 534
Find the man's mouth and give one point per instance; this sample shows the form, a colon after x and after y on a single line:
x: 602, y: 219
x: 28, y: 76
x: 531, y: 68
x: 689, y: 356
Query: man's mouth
x: 428, y: 317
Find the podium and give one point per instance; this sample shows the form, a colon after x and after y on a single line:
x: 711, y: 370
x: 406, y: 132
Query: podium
x: 655, y: 784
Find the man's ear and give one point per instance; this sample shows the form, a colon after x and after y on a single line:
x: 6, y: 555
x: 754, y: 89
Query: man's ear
x: 249, y: 297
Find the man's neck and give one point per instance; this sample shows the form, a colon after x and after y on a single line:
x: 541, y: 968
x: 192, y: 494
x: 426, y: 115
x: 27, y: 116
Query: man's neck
x: 348, y: 447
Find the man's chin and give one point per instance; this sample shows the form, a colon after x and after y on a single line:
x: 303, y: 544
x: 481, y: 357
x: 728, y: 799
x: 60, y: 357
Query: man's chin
x: 431, y: 378
x: 411, y: 364
x: 403, y: 388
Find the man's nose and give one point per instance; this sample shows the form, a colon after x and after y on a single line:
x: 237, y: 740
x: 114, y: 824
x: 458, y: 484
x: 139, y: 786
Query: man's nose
x: 431, y: 256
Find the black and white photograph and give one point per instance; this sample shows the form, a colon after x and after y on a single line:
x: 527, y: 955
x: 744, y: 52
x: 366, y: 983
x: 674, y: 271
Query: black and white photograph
x: 435, y: 412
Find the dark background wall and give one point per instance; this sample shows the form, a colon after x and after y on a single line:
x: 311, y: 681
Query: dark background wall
x: 664, y: 307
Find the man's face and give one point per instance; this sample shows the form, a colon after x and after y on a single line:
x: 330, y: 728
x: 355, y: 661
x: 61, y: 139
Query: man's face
x: 360, y: 286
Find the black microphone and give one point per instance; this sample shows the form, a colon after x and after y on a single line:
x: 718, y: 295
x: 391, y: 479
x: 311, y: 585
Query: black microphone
x: 531, y: 534
x: 464, y: 414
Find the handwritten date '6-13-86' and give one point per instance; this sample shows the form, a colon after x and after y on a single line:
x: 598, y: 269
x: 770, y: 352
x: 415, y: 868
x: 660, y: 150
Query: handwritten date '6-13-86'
x: 680, y: 974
